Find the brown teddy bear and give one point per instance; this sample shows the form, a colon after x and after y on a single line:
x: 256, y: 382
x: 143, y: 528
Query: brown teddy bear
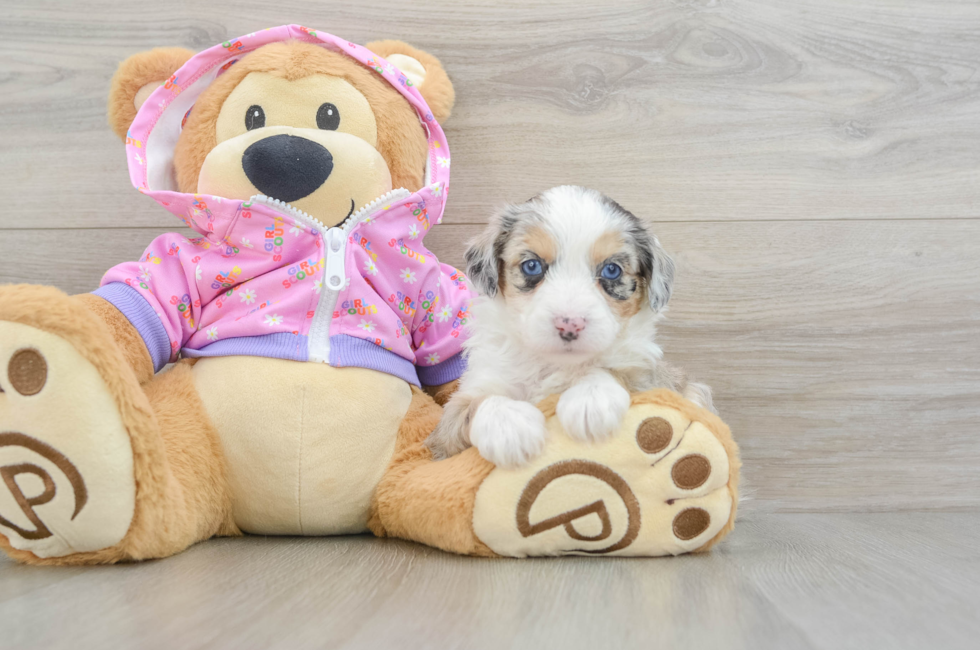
x: 304, y: 320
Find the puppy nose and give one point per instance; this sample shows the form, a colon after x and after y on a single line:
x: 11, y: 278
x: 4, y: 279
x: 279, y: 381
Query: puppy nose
x: 569, y: 328
x: 287, y: 167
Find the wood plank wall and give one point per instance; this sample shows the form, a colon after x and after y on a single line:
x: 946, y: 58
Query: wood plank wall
x: 813, y: 166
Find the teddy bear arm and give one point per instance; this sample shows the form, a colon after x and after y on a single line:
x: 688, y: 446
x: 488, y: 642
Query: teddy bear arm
x: 125, y: 335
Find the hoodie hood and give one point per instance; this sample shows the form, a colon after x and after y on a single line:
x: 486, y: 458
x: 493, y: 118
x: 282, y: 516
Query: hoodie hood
x: 269, y: 280
x: 153, y: 136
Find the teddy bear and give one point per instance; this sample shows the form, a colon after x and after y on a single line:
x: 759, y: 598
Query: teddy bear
x: 312, y: 338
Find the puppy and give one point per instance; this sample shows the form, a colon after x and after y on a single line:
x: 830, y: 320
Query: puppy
x: 574, y: 285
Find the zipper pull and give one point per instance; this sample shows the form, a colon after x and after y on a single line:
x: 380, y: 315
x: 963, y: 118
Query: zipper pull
x: 335, y: 272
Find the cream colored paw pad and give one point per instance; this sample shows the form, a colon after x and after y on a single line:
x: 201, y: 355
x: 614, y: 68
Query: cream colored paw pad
x: 658, y: 487
x: 66, y: 465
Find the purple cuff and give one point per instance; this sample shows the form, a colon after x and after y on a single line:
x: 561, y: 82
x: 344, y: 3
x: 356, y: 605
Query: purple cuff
x: 139, y: 312
x: 348, y: 351
x: 281, y: 345
x: 444, y: 372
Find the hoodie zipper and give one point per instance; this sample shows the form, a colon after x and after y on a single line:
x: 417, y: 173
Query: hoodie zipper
x: 334, y: 241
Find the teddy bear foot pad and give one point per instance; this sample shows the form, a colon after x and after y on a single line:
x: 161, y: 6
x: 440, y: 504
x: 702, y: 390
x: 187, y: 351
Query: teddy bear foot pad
x: 664, y: 484
x: 66, y: 461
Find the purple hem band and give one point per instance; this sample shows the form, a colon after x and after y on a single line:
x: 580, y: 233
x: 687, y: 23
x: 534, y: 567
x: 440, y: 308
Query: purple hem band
x: 139, y: 312
x: 281, y: 345
x: 443, y: 372
x: 348, y: 350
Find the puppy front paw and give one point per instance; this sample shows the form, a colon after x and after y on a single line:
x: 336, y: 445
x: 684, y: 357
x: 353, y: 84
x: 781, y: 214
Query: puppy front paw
x: 593, y: 408
x: 507, y: 432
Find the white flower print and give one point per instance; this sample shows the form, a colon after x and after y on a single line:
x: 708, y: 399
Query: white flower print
x: 432, y: 359
x: 444, y: 314
x: 443, y: 162
x: 247, y: 296
x: 437, y: 189
x: 246, y: 243
x: 296, y: 229
x: 145, y: 274
x: 213, y: 333
x: 139, y: 160
x: 197, y: 273
x: 413, y: 232
x: 317, y: 286
x: 273, y: 319
x: 370, y: 267
x: 408, y: 275
x: 366, y: 325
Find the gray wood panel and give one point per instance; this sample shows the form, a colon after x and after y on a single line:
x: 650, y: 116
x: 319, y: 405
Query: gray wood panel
x: 821, y: 581
x: 844, y: 355
x: 703, y: 110
x: 813, y: 166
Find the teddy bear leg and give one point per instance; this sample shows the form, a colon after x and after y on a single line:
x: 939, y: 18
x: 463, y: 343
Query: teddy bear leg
x: 194, y: 502
x: 93, y: 468
x: 665, y: 484
x: 425, y: 501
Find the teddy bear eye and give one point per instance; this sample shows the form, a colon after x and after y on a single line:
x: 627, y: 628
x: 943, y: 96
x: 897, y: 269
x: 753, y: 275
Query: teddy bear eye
x: 254, y: 117
x: 328, y: 117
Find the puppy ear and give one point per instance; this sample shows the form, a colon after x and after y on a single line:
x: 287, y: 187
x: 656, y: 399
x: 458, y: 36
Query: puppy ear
x: 484, y: 255
x: 136, y: 78
x: 481, y: 261
x: 656, y: 267
x: 424, y: 71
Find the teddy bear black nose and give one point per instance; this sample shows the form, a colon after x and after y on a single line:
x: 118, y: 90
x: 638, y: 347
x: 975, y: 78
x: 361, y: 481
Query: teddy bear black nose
x: 287, y: 167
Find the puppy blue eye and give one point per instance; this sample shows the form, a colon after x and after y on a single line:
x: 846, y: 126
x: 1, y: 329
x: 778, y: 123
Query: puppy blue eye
x: 611, y: 271
x: 531, y: 267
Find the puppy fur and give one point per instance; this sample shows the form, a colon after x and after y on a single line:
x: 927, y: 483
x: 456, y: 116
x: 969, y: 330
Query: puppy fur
x: 573, y: 285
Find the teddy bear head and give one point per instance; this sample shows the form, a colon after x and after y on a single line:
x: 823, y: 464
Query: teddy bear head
x: 295, y: 121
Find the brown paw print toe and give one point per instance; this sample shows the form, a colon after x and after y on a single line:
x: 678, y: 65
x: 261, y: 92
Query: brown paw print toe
x: 27, y: 371
x: 654, y: 434
x: 691, y: 471
x: 690, y: 523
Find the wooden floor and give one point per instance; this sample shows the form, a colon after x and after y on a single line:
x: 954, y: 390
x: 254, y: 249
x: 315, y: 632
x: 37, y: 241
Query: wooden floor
x: 834, y: 581
x: 814, y: 168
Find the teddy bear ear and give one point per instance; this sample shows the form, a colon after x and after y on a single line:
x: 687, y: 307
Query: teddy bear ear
x: 136, y: 78
x: 425, y: 72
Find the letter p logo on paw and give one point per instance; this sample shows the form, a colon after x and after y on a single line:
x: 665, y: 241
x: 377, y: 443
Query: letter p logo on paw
x: 659, y: 486
x: 9, y: 473
x: 66, y: 463
x: 568, y: 519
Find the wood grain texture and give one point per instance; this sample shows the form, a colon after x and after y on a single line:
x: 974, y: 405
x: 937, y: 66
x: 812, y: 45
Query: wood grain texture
x: 821, y: 581
x: 833, y: 302
x: 814, y: 168
x: 699, y: 109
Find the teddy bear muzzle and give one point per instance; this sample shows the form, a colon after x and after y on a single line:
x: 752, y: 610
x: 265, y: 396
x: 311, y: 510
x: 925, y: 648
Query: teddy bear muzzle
x: 287, y: 167
x: 327, y: 174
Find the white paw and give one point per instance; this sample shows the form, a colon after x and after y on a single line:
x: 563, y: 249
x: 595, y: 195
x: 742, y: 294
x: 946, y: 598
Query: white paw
x: 593, y: 408
x: 508, y: 433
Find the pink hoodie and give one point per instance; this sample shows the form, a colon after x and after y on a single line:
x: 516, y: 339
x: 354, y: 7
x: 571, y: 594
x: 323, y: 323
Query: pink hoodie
x: 265, y: 279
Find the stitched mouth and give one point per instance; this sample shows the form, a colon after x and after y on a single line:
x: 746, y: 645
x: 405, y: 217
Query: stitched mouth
x: 349, y: 213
